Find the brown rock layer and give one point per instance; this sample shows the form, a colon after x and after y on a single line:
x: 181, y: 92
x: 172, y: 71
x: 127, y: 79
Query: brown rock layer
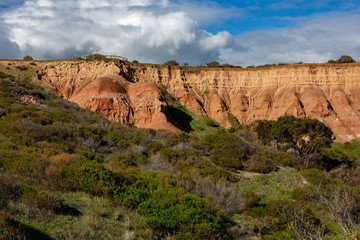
x: 141, y: 104
x: 328, y: 92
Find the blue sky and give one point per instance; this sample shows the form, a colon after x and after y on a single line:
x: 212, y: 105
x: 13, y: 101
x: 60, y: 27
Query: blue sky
x: 237, y: 32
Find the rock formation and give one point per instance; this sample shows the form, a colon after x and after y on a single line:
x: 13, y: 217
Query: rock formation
x: 328, y: 92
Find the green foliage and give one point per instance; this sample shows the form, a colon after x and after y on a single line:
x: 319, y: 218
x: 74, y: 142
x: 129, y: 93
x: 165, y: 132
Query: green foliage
x: 310, y: 134
x: 95, y: 56
x: 211, y: 123
x: 36, y: 198
x: 266, y: 161
x: 18, y: 72
x: 345, y: 59
x: 344, y: 152
x: 232, y: 119
x: 91, y: 177
x: 171, y: 63
x: 173, y: 210
x: 262, y: 129
x: 213, y: 64
x: 228, y: 150
x: 191, y: 69
x: 27, y: 58
x: 12, y: 229
x: 53, y: 153
x: 316, y: 177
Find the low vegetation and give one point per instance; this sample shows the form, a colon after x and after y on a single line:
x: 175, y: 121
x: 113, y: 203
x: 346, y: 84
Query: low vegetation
x: 343, y: 59
x: 67, y: 173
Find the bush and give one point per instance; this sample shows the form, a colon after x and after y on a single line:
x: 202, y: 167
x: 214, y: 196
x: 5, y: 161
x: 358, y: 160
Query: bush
x: 345, y: 59
x: 95, y: 56
x: 39, y: 199
x: 211, y: 123
x: 28, y: 58
x: 171, y: 63
x: 262, y: 128
x: 228, y: 197
x: 228, y: 150
x: 227, y: 65
x: 213, y: 64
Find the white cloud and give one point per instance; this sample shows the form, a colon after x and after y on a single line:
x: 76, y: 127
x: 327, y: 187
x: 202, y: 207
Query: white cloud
x: 318, y: 39
x: 147, y: 30
x: 157, y: 31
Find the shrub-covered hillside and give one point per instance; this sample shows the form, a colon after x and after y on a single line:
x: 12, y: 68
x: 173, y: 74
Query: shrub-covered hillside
x: 67, y: 173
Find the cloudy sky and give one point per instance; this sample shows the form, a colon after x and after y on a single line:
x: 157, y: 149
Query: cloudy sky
x: 243, y: 32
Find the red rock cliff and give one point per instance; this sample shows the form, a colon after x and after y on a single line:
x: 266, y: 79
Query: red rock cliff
x: 330, y: 93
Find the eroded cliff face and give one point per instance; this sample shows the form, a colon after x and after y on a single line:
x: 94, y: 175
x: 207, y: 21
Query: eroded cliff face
x: 330, y: 93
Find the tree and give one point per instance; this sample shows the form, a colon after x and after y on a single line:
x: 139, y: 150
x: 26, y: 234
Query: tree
x: 28, y: 58
x: 186, y: 64
x: 345, y: 59
x: 171, y: 63
x: 213, y: 64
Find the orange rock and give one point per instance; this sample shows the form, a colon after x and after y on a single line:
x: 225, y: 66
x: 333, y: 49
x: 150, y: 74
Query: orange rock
x: 328, y: 92
x: 141, y: 104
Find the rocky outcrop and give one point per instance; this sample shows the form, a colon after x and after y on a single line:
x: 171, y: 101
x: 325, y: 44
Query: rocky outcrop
x: 328, y: 92
x: 141, y: 104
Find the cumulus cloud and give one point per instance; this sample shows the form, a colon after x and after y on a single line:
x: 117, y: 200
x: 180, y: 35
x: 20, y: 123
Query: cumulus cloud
x: 146, y: 30
x: 318, y: 39
x: 159, y: 30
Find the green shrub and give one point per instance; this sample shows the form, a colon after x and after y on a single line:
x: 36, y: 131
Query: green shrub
x: 232, y: 119
x: 91, y: 177
x: 39, y: 199
x: 27, y: 58
x: 262, y: 128
x: 211, y: 123
x: 213, y: 64
x: 172, y: 210
x: 315, y: 177
x: 171, y: 63
x: 227, y: 65
x: 262, y: 164
x: 95, y: 56
x: 345, y: 59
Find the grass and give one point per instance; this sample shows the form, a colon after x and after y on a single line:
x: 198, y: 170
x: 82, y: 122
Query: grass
x: 93, y: 218
x: 21, y: 71
x: 233, y: 121
x: 273, y: 186
x: 200, y: 125
x: 350, y: 149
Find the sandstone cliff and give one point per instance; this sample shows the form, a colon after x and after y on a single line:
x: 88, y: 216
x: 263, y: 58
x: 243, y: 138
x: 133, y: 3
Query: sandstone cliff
x: 330, y: 93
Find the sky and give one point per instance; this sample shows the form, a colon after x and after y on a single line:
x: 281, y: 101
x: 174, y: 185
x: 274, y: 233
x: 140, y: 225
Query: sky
x: 244, y: 32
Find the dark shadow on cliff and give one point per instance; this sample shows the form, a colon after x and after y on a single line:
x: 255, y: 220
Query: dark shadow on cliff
x: 180, y: 119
